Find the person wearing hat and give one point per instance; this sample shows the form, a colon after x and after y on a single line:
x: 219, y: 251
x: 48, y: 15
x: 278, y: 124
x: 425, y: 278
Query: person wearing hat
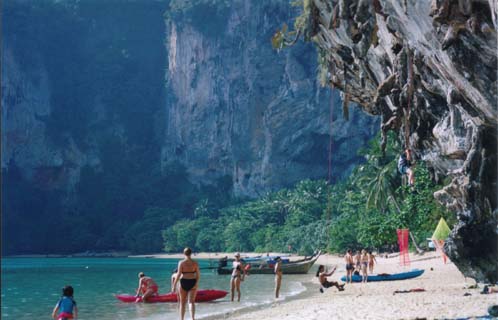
x: 278, y: 275
x: 238, y: 274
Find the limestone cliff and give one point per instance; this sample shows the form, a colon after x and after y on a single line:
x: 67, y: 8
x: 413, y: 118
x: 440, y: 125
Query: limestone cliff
x: 429, y: 69
x: 240, y: 109
x: 89, y: 126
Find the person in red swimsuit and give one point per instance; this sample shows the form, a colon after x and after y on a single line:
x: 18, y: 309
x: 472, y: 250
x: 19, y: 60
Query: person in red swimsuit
x: 147, y: 287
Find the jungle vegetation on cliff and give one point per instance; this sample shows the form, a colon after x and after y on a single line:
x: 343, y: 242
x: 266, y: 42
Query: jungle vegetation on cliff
x: 363, y: 211
x: 104, y: 107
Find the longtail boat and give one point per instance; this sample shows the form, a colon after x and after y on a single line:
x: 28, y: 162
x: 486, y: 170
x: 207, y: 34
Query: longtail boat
x: 292, y: 267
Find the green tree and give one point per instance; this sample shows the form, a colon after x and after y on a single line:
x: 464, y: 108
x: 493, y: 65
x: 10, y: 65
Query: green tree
x: 146, y: 234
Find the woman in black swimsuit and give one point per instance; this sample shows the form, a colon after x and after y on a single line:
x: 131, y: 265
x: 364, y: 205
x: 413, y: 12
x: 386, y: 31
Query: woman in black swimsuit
x: 189, y: 275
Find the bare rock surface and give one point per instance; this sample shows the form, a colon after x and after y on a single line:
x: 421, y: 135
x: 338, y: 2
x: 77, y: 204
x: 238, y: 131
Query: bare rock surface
x: 242, y: 110
x: 429, y: 69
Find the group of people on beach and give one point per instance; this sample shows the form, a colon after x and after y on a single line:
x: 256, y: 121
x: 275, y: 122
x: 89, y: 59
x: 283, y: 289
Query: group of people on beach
x: 185, y: 281
x: 362, y: 263
x: 239, y: 272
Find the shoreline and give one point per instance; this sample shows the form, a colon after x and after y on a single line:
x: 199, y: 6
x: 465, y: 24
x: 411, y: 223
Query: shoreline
x: 87, y: 254
x: 448, y: 295
x: 161, y: 255
x: 251, y: 309
x: 213, y: 255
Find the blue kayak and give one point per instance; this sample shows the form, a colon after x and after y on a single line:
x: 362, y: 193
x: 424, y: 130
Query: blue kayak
x: 388, y: 277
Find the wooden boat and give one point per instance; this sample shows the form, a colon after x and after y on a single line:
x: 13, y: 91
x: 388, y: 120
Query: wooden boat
x: 388, y: 277
x: 292, y: 267
x: 263, y: 259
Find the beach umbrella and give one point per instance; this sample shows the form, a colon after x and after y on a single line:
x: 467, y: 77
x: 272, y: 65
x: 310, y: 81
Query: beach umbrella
x: 439, y: 237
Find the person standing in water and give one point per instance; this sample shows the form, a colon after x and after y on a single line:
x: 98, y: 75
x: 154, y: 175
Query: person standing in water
x: 278, y: 275
x: 238, y: 274
x: 174, y: 275
x: 349, y: 266
x: 147, y: 287
x: 66, y: 307
x: 189, y: 275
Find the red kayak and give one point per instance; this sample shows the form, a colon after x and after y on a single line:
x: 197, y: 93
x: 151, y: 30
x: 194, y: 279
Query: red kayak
x: 202, y: 296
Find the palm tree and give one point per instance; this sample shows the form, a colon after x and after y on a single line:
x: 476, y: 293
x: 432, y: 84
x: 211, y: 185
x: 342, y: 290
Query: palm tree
x: 382, y: 182
x: 383, y: 187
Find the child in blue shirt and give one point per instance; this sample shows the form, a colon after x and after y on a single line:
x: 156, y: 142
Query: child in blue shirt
x: 66, y: 306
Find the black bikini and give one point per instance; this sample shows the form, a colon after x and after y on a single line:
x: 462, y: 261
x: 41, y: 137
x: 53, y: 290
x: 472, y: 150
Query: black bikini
x: 188, y: 284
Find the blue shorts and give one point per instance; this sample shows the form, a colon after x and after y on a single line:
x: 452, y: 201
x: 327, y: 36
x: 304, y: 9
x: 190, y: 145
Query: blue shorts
x: 403, y: 169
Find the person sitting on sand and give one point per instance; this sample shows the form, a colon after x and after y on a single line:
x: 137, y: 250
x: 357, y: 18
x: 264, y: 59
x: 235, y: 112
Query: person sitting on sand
x: 364, y: 265
x: 488, y: 290
x: 238, y: 274
x: 147, y: 287
x: 349, y: 266
x: 322, y: 277
x: 371, y: 261
x: 278, y: 275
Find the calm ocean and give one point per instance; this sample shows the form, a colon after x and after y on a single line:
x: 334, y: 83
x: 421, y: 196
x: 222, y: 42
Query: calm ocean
x: 32, y: 286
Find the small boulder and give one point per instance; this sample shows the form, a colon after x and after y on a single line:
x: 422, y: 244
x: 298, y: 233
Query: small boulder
x: 493, y: 311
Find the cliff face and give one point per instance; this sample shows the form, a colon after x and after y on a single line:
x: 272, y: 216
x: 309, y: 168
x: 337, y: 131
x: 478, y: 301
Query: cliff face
x: 89, y: 127
x: 240, y: 109
x: 61, y: 99
x: 232, y: 106
x: 82, y: 100
x: 429, y: 69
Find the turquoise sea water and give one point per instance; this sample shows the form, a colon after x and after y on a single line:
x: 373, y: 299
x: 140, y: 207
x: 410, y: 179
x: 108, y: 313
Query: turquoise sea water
x: 32, y: 286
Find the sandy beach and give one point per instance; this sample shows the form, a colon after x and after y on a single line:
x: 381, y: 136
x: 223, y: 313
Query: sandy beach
x: 443, y: 299
x: 211, y: 255
x: 447, y: 294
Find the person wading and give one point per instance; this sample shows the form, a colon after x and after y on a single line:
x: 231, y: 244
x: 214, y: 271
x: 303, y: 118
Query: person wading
x: 189, y: 275
x: 238, y: 274
x: 278, y: 275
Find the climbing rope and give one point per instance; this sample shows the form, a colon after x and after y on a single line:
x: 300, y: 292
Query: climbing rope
x: 329, y: 177
x: 409, y: 98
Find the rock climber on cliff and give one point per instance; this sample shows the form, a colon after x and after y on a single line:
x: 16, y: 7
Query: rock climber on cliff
x: 405, y: 166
